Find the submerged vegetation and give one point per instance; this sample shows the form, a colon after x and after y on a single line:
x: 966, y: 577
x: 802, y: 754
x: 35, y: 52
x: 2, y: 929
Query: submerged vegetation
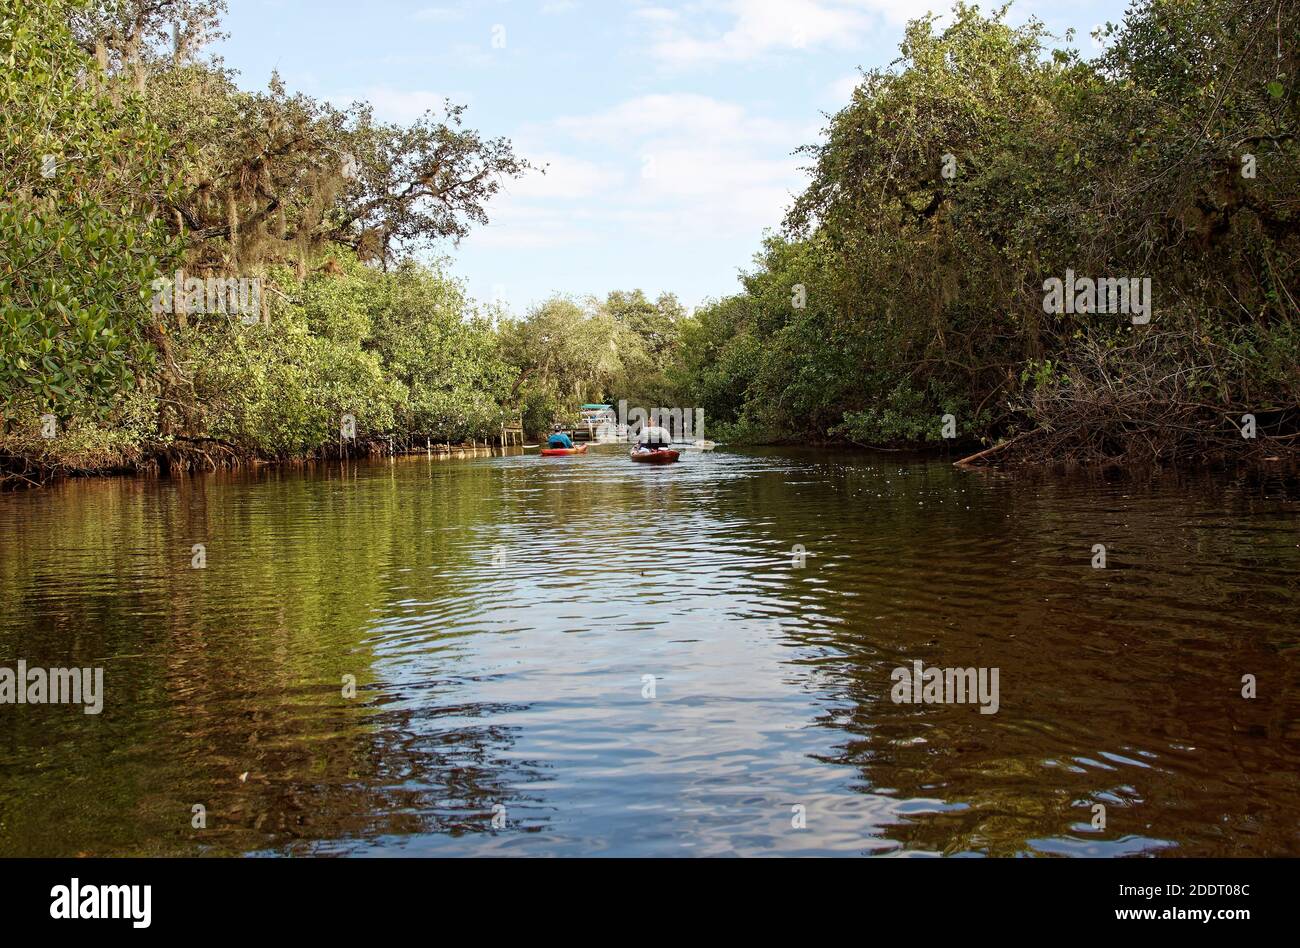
x: 909, y: 281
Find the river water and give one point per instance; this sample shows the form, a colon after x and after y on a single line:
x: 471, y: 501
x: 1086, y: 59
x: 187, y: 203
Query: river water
x: 582, y: 655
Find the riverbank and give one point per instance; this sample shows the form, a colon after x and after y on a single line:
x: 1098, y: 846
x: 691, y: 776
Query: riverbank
x: 1182, y: 447
x: 34, y: 462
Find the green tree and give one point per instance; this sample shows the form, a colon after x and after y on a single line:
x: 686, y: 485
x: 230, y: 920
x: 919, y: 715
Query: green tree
x: 81, y: 171
x: 982, y: 163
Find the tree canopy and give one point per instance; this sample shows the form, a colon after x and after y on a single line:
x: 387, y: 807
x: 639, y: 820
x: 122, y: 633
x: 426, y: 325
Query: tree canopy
x: 909, y: 280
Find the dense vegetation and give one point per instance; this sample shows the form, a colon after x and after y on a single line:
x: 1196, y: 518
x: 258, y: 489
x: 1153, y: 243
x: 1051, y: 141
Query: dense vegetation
x: 907, y: 284
x: 1170, y: 157
x: 158, y: 163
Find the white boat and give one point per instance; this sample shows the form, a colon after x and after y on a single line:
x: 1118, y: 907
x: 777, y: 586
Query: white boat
x: 610, y: 433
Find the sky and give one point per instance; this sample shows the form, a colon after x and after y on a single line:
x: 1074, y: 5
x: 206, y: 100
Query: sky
x: 668, y: 130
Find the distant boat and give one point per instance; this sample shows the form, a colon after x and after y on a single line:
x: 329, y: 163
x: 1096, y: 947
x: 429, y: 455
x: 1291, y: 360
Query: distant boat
x: 610, y: 433
x: 702, y: 445
x: 600, y: 421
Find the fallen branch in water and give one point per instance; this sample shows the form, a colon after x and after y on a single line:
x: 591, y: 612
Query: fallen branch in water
x: 14, y: 475
x: 967, y: 461
x: 873, y: 447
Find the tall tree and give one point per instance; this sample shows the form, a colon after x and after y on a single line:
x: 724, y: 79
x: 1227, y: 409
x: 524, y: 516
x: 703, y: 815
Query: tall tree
x: 82, y: 172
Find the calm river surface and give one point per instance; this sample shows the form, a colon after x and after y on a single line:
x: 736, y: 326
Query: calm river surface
x: 500, y: 616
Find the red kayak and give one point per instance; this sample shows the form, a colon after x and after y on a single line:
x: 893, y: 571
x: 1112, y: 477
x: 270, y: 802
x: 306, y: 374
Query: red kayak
x: 561, y: 452
x: 661, y: 456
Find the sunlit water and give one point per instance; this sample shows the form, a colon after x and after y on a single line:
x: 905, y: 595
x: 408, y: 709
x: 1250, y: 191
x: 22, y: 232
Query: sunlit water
x: 501, y: 616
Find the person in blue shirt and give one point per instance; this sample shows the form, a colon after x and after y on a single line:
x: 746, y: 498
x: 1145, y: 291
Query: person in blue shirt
x: 559, y: 440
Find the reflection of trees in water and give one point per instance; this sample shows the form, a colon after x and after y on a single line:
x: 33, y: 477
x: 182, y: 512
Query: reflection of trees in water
x: 238, y: 668
x: 961, y: 783
x: 321, y: 767
x: 399, y: 773
x: 1119, y: 687
x: 1018, y: 785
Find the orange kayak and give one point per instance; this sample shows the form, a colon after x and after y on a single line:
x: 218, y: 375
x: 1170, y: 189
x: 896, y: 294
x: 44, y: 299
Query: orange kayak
x: 561, y: 452
x: 661, y: 456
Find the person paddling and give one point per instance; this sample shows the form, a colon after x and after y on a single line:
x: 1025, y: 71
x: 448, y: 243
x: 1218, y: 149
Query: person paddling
x: 653, y: 438
x: 559, y: 440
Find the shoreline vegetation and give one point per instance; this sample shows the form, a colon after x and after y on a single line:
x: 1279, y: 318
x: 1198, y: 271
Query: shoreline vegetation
x: 1006, y: 254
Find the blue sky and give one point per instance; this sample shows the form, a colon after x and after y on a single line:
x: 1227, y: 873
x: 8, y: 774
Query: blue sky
x: 667, y: 128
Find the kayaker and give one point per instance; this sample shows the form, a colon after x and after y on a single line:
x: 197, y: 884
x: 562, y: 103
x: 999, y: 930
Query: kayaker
x: 653, y: 438
x: 559, y: 440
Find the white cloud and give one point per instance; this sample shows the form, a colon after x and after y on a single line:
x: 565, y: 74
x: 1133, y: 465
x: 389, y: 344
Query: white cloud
x: 397, y: 105
x: 566, y: 177
x: 676, y: 115
x: 519, y: 224
x: 656, y: 14
x: 900, y: 11
x: 439, y: 15
x: 654, y: 168
x: 757, y: 27
x: 841, y: 90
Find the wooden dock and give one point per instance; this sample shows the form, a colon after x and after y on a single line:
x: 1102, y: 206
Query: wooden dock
x: 512, y: 432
